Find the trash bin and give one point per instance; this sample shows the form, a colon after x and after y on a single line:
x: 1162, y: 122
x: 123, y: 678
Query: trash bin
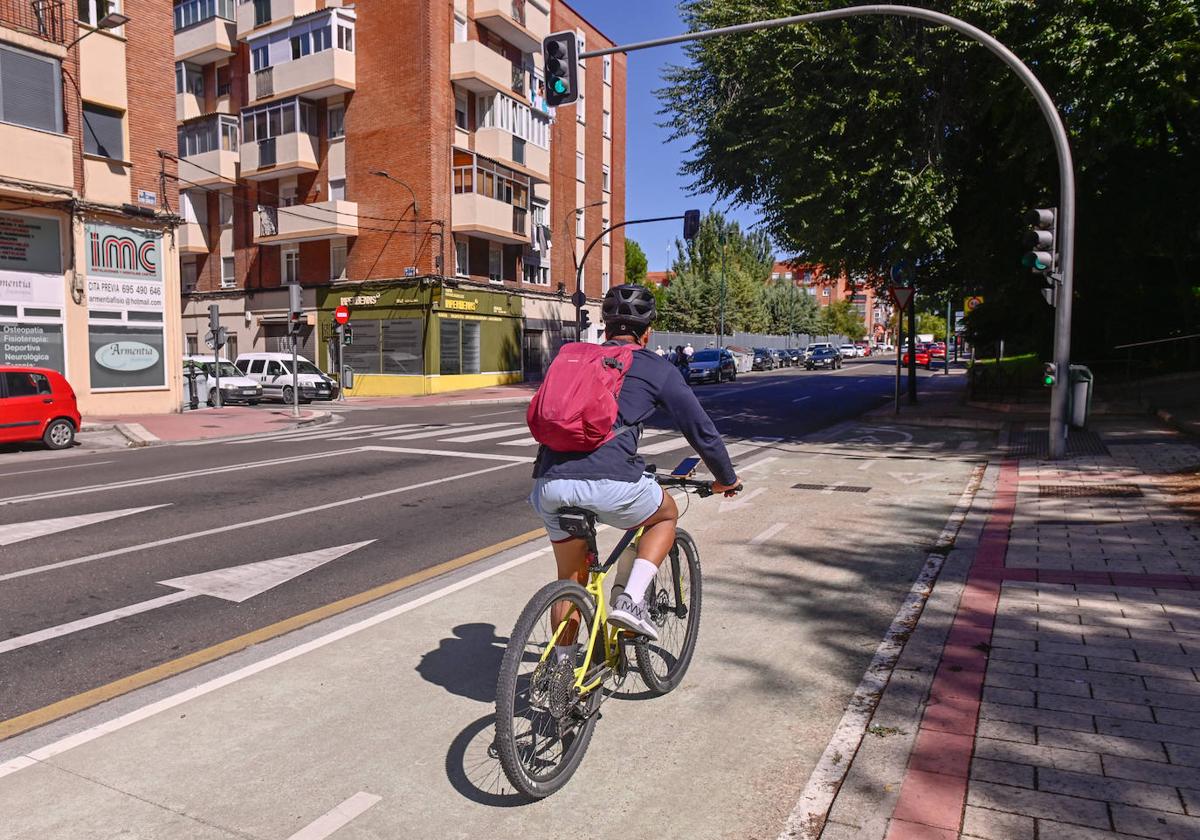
x: 347, y: 379
x: 1081, y: 395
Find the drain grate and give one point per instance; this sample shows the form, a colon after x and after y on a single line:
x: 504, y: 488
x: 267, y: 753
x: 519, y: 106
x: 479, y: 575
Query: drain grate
x: 1035, y: 444
x: 1076, y: 491
x: 838, y: 488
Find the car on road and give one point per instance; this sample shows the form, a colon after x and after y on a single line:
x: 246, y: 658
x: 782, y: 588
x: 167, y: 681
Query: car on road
x: 712, y: 365
x: 922, y: 354
x: 849, y: 351
x: 797, y: 357
x: 236, y: 387
x: 864, y: 349
x: 763, y: 359
x: 782, y: 358
x: 826, y: 357
x: 273, y: 371
x: 37, y: 404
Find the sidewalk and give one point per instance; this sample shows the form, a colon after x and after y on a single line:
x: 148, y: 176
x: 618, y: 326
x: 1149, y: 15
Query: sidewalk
x: 148, y: 429
x: 498, y: 394
x: 1052, y: 686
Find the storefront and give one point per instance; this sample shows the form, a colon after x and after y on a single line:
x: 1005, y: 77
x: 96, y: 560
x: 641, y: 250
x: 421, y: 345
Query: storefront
x: 421, y: 337
x: 110, y: 325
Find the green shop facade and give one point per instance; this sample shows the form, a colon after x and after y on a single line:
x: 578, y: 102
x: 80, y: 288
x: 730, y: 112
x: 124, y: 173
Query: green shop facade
x: 422, y: 336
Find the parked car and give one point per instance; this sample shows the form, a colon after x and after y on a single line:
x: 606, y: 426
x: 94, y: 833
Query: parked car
x: 763, y: 359
x: 274, y: 372
x: 812, y: 348
x: 236, y: 387
x: 782, y: 358
x: 37, y: 404
x: 712, y: 366
x: 864, y: 349
x: 848, y: 351
x: 937, y: 351
x: 797, y: 357
x: 826, y: 357
x: 923, y: 358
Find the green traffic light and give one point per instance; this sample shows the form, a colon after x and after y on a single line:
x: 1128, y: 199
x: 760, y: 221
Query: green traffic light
x: 560, y: 86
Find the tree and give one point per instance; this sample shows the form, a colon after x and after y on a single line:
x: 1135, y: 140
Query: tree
x: 868, y: 139
x: 635, y: 263
x: 841, y: 318
x: 789, y: 310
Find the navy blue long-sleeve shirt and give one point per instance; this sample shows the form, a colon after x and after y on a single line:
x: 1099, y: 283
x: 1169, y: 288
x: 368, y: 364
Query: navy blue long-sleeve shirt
x: 652, y: 382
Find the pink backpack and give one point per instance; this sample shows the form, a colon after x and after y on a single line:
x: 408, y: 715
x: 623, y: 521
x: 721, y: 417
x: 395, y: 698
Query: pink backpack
x: 575, y: 409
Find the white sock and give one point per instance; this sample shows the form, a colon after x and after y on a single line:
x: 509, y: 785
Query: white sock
x: 640, y: 575
x: 564, y: 653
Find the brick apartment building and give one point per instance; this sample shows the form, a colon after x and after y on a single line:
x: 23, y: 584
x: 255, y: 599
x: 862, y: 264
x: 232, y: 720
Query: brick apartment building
x: 88, y: 262
x: 424, y: 183
x: 826, y: 288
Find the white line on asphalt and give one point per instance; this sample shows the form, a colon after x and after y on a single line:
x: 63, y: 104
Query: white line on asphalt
x: 21, y: 531
x: 802, y: 399
x: 839, y: 387
x: 447, y: 430
x: 808, y: 817
x: 159, y: 479
x: 312, y: 434
x: 665, y: 446
x: 525, y: 441
x: 354, y: 434
x: 736, y: 449
x: 829, y: 491
x: 18, y: 642
x: 519, y: 429
x: 278, y: 517
x: 336, y: 818
x: 739, y: 502
x: 55, y: 469
x: 767, y: 534
x: 496, y: 413
x: 92, y: 733
x: 761, y: 462
x: 866, y: 465
x: 450, y: 453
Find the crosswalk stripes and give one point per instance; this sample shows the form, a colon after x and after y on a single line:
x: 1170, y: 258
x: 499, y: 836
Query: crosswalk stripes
x: 529, y: 441
x: 517, y: 429
x: 446, y: 430
x: 333, y: 433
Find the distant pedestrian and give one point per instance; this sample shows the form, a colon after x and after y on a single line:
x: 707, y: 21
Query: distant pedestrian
x: 659, y: 350
x: 689, y: 350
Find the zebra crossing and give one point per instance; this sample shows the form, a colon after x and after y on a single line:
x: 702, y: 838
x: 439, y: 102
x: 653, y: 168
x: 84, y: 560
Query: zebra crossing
x: 497, y: 433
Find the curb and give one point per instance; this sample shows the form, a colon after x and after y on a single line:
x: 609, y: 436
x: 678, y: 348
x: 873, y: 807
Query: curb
x: 893, y: 419
x: 138, y: 435
x: 1188, y: 427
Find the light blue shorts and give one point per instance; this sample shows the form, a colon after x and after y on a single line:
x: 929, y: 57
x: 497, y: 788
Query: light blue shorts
x: 620, y: 504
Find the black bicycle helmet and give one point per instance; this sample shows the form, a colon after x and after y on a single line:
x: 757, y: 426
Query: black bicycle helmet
x: 628, y: 308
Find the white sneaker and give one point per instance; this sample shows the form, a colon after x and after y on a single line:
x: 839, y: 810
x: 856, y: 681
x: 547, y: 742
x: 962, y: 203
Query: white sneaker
x: 632, y: 616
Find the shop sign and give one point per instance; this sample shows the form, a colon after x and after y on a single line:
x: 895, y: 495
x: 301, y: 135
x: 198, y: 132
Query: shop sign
x: 31, y: 289
x: 359, y: 300
x: 460, y: 305
x: 127, y: 356
x: 30, y: 244
x: 33, y: 345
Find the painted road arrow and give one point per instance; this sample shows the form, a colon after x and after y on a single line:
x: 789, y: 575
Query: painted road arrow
x: 236, y: 583
x: 21, y: 531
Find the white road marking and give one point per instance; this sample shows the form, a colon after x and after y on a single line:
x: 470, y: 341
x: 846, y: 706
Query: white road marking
x: 496, y: 413
x: 21, y: 531
x: 237, y: 584
x: 56, y: 469
x: 448, y: 430
x: 802, y: 399
x: 839, y: 387
x: 128, y: 719
x: 665, y: 446
x: 866, y: 465
x: 332, y: 820
x: 761, y: 462
x: 737, y: 449
x: 449, y: 453
x: 356, y: 433
x: 313, y: 434
x: 525, y: 441
x: 907, y: 478
x: 279, y: 517
x: 741, y: 501
x: 520, y: 429
x: 767, y: 534
x: 832, y: 488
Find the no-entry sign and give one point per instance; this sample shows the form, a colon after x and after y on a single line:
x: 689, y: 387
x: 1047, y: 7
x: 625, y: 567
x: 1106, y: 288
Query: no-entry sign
x: 341, y: 314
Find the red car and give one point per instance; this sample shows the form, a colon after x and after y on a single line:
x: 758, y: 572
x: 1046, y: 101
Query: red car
x: 37, y: 404
x: 924, y: 357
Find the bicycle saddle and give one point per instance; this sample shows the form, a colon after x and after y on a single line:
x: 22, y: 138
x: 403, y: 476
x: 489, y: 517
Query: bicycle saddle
x: 578, y: 522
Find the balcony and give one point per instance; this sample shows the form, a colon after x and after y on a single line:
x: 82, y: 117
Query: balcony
x: 479, y: 69
x: 252, y: 14
x: 193, y: 238
x: 188, y: 106
x: 305, y: 222
x: 217, y: 168
x: 520, y: 23
x: 42, y: 18
x: 279, y: 157
x: 208, y: 40
x: 40, y: 157
x: 498, y: 144
x: 489, y: 218
x: 316, y: 76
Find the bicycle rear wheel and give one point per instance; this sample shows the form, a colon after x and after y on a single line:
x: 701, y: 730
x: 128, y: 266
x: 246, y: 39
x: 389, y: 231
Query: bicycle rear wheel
x: 674, y: 600
x: 542, y: 727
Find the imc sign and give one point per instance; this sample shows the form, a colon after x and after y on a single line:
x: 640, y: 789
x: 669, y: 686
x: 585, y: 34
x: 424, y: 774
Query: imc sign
x: 123, y: 253
x: 127, y: 356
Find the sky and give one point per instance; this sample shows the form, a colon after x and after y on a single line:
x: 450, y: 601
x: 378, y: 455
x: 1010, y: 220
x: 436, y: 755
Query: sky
x: 653, y: 185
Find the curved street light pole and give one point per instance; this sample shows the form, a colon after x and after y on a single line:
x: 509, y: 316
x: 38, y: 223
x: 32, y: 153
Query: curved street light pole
x: 1062, y: 148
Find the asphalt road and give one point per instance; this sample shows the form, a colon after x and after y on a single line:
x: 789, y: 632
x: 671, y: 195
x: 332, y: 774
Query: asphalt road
x: 416, y: 486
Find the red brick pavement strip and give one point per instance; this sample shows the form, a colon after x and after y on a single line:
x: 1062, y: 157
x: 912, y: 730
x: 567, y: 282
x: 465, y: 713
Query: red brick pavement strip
x: 934, y: 790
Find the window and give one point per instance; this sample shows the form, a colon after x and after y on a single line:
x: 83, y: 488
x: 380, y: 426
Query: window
x: 579, y: 166
x: 345, y: 36
x: 537, y: 275
x: 461, y: 265
x: 225, y: 209
x: 92, y: 12
x: 189, y: 79
x: 460, y: 29
x: 775, y: 275
x: 21, y: 384
x: 187, y: 206
x: 605, y: 176
x: 262, y: 12
x: 825, y: 292
x: 488, y: 178
x: 337, y: 260
x: 495, y: 263
x: 278, y: 118
x: 30, y: 90
x: 607, y: 124
x: 337, y: 189
x: 208, y: 135
x: 189, y: 279
x: 224, y: 85
x: 193, y: 344
x: 287, y: 194
x: 337, y: 121
x: 500, y: 111
x: 191, y: 12
x: 227, y: 281
x: 256, y: 366
x: 787, y: 275
x: 460, y: 110
x: 260, y: 58
x: 459, y: 345
x: 103, y: 131
x: 290, y: 270
x: 608, y: 69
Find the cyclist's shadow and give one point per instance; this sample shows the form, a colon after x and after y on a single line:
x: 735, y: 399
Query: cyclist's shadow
x: 467, y: 663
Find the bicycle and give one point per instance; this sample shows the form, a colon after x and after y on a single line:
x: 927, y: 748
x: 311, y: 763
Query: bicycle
x: 560, y: 702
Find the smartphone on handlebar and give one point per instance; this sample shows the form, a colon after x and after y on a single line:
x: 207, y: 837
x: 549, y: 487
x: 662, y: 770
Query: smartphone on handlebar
x: 686, y: 467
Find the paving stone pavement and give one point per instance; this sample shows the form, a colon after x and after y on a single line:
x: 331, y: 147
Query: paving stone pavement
x: 1065, y: 702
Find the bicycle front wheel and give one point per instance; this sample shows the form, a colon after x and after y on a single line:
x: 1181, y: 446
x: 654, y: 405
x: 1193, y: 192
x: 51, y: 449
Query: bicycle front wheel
x: 674, y: 600
x: 542, y: 726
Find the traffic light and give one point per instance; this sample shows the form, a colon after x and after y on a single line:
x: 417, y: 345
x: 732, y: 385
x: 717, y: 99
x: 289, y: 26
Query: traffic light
x: 295, y: 309
x: 347, y: 336
x: 691, y: 224
x: 585, y: 321
x: 560, y: 59
x: 1049, y: 374
x: 1042, y: 258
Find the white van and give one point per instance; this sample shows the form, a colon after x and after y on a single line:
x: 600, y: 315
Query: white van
x: 273, y: 371
x: 235, y: 386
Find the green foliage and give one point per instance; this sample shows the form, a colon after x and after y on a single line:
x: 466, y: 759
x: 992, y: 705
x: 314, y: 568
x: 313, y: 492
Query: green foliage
x: 869, y: 139
x: 932, y: 323
x: 841, y: 318
x: 788, y: 309
x: 635, y: 263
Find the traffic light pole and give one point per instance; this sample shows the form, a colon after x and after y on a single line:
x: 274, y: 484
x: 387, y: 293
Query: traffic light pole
x: 1062, y: 148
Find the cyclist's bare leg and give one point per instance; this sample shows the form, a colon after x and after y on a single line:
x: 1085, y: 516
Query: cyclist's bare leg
x: 658, y: 534
x: 571, y: 557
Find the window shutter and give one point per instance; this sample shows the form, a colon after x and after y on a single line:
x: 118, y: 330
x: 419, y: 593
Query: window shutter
x: 102, y: 132
x: 29, y: 85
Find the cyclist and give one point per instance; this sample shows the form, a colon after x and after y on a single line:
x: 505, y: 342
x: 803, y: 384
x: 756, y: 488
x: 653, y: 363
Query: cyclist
x: 611, y: 481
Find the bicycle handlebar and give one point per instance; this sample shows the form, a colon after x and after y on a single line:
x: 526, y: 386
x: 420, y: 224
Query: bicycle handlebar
x: 703, y: 489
